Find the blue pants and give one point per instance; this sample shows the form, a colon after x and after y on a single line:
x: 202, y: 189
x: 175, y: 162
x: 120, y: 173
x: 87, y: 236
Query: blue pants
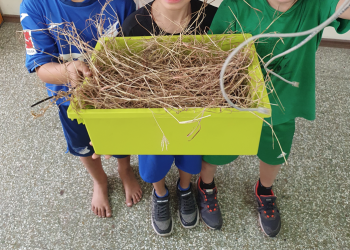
x: 76, y: 135
x: 153, y: 168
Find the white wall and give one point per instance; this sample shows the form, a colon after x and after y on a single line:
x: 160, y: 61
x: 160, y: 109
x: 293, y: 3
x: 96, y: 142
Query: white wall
x: 330, y: 32
x: 11, y: 7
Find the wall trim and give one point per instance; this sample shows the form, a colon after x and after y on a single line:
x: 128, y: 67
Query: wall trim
x: 12, y: 18
x: 325, y: 42
x: 335, y: 43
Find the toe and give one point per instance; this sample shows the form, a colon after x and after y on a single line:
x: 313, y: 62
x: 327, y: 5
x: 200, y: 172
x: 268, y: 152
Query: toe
x: 128, y: 201
x: 108, y: 212
x: 103, y: 212
x: 135, y: 199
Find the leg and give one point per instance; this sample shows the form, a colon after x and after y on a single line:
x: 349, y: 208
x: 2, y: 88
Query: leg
x: 188, y: 210
x: 162, y: 222
x: 159, y: 187
x: 269, y: 217
x: 207, y: 172
x: 99, y: 204
x: 272, y: 154
x: 208, y: 204
x: 268, y: 173
x: 185, y: 179
x: 153, y: 169
x: 209, y: 165
x: 132, y: 188
x: 78, y: 144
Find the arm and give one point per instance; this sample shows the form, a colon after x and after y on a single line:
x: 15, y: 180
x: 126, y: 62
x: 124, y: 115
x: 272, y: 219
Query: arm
x: 56, y: 73
x: 42, y: 49
x: 346, y: 14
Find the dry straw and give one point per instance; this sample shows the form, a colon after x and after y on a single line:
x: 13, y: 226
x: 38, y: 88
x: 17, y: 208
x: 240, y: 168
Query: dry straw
x: 164, y: 74
x: 158, y: 72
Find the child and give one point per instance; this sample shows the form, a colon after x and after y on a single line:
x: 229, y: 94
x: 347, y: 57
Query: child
x: 168, y: 17
x: 45, y: 47
x: 270, y: 16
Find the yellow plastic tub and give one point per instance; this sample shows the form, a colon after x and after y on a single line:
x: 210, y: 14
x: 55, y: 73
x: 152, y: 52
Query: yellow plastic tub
x: 156, y: 131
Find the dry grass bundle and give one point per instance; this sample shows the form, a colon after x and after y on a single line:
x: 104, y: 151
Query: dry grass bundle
x: 164, y: 73
x: 158, y: 72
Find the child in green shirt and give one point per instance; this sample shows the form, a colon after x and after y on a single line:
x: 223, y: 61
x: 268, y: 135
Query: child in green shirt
x: 288, y: 102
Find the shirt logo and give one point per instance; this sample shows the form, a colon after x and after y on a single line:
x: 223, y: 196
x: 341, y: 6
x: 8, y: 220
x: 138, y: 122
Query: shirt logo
x: 282, y: 155
x: 83, y: 151
x: 23, y: 15
x: 29, y: 42
x: 112, y: 30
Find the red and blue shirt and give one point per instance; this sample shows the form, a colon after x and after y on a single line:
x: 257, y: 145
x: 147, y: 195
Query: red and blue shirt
x: 43, y: 20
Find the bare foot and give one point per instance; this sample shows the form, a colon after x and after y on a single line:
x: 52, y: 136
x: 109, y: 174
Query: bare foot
x: 99, y: 204
x: 133, y: 192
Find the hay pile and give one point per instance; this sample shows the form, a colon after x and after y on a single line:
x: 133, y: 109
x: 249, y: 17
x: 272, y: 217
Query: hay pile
x: 162, y: 73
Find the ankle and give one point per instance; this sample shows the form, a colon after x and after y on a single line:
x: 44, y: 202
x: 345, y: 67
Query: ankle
x: 162, y: 193
x: 101, y: 181
x: 262, y: 190
x: 181, y: 187
x: 209, y: 185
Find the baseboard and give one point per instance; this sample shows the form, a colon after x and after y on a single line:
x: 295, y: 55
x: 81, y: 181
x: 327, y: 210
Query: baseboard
x: 335, y: 43
x: 12, y: 18
x: 1, y: 19
x: 325, y: 42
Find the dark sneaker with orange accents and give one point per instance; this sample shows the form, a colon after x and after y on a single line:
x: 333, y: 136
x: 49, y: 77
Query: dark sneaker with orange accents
x: 208, y: 207
x: 269, y: 216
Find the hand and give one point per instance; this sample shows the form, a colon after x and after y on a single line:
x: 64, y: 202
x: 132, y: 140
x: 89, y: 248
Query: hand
x: 77, y: 71
x: 96, y: 156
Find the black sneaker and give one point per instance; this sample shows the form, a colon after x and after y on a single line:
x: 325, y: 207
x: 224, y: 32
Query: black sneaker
x: 209, y: 207
x: 161, y: 217
x: 269, y: 216
x: 188, y: 211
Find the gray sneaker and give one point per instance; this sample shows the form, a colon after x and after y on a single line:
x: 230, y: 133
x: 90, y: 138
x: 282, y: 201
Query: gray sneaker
x: 188, y: 211
x: 161, y: 217
x: 209, y: 207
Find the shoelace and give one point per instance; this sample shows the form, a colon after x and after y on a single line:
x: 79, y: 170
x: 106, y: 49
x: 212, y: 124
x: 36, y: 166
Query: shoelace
x: 268, y: 208
x: 188, y: 205
x: 162, y: 211
x: 211, y: 201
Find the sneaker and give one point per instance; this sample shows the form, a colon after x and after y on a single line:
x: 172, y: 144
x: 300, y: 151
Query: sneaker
x: 269, y: 216
x: 161, y: 217
x: 188, y: 211
x: 209, y: 207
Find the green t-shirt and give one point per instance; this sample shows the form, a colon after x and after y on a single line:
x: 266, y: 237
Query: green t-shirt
x: 256, y: 17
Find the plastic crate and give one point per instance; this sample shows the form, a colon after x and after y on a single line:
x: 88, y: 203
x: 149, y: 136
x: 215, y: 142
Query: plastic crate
x: 137, y: 131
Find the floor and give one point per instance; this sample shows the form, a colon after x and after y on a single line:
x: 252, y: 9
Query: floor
x: 45, y: 193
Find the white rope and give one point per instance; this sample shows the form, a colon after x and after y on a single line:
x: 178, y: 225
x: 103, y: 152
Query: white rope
x: 311, y: 33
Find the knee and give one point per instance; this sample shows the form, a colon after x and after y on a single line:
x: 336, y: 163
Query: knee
x: 206, y: 165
